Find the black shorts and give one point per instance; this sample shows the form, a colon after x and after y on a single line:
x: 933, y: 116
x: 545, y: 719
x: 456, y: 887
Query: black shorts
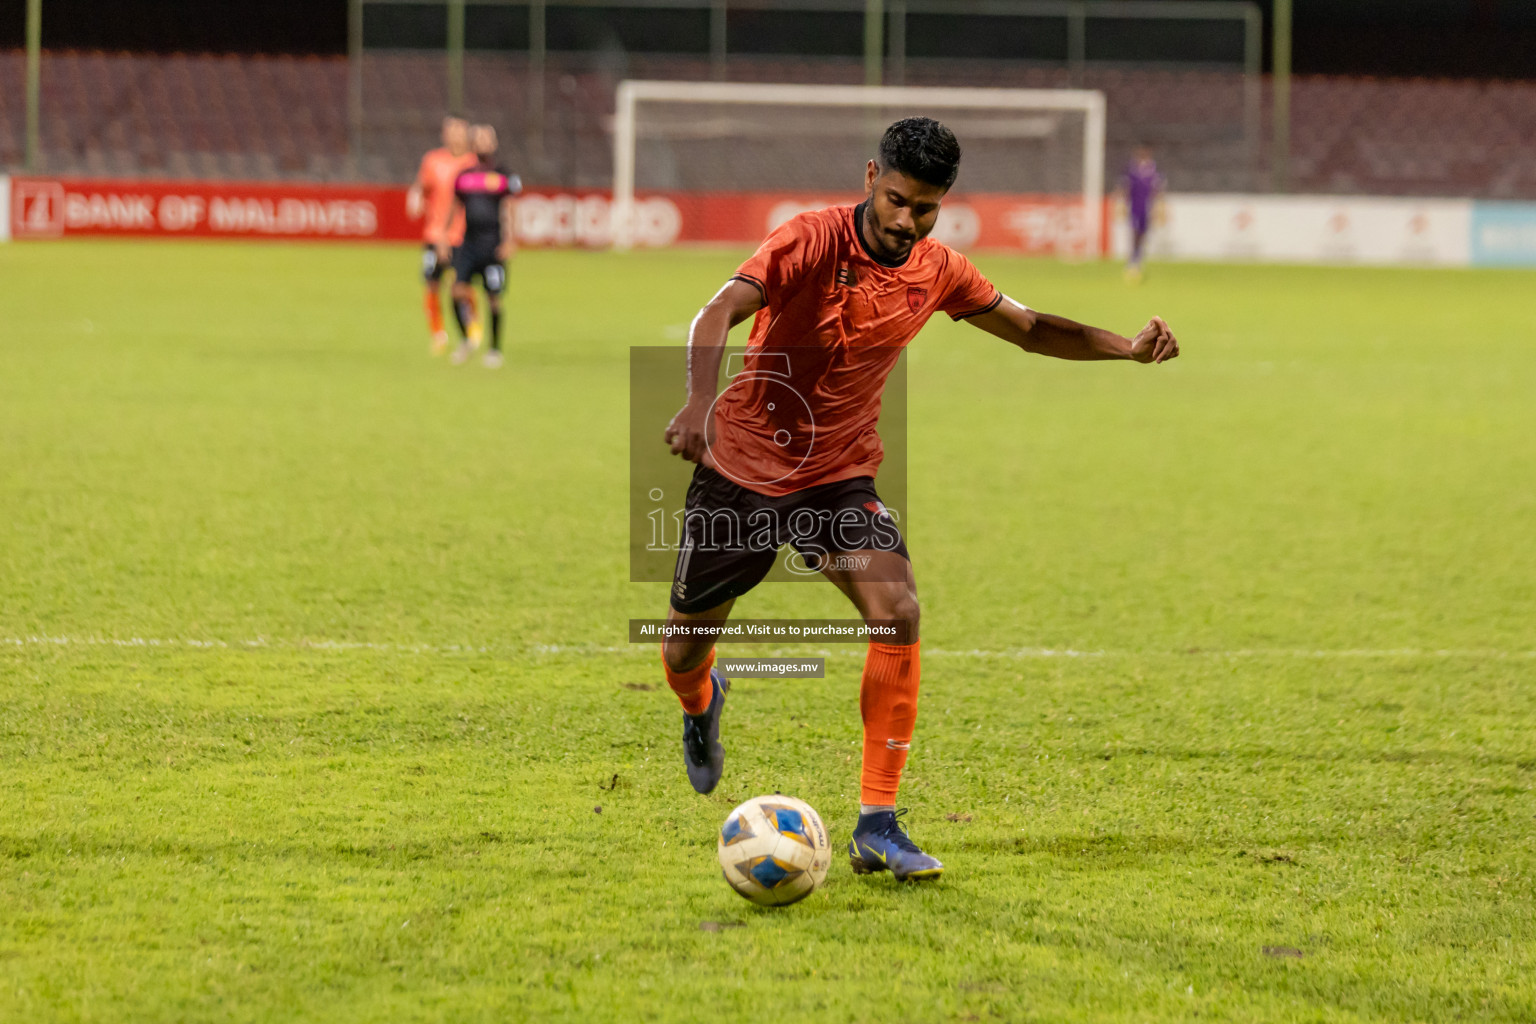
x: 731, y: 535
x: 468, y: 263
x: 431, y: 267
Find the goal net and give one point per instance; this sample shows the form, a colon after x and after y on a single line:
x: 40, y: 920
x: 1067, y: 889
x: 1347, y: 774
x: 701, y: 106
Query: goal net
x: 727, y: 162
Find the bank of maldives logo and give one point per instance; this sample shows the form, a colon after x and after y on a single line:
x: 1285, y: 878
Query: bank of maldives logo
x: 37, y: 209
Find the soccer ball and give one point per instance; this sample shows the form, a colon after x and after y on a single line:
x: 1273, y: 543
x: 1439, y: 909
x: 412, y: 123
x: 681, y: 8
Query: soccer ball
x: 774, y: 850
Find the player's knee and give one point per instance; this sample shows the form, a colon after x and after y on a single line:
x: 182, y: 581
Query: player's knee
x: 899, y: 606
x: 907, y: 611
x: 681, y: 656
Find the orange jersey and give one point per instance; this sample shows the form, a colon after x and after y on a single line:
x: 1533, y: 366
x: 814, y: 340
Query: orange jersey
x: 804, y: 404
x: 439, y: 170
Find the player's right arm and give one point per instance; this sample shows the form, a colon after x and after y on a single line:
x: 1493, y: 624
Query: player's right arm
x: 781, y: 264
x: 416, y: 196
x: 688, y: 433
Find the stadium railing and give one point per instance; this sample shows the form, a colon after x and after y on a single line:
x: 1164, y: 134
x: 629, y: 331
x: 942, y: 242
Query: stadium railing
x: 285, y: 118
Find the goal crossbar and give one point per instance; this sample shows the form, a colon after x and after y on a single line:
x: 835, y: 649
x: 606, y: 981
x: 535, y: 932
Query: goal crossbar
x: 632, y: 92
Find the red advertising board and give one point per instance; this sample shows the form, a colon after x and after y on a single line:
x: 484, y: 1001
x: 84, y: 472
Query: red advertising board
x: 1018, y: 223
x: 1033, y: 224
x: 55, y: 208
x: 64, y: 207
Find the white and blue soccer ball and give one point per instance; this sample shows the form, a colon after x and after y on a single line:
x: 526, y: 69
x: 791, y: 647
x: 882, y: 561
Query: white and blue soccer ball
x: 774, y: 850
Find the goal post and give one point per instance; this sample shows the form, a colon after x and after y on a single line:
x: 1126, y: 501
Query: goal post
x: 1031, y: 174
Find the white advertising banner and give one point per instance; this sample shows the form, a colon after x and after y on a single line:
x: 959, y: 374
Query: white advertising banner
x: 5, y: 208
x: 1307, y: 229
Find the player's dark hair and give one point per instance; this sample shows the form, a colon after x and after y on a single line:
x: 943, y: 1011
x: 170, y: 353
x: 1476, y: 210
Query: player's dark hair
x: 921, y: 148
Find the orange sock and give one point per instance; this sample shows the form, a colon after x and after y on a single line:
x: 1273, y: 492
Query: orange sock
x: 434, y: 311
x: 888, y: 704
x: 692, y: 687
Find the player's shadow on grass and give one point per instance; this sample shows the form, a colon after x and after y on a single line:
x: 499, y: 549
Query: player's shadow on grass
x: 16, y: 847
x: 1102, y: 851
x: 1275, y: 757
x: 1116, y: 851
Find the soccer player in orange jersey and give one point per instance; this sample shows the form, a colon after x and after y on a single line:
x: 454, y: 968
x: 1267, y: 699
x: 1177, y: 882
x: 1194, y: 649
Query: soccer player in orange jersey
x: 837, y: 294
x: 431, y: 194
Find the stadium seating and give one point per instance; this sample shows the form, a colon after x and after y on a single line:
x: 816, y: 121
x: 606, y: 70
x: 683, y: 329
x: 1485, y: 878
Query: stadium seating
x: 265, y: 117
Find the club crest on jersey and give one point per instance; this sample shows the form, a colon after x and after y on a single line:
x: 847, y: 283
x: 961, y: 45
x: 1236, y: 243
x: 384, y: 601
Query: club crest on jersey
x: 847, y: 276
x: 916, y: 297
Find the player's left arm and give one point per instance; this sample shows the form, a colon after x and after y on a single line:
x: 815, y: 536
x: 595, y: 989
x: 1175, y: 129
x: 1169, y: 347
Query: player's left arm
x: 445, y: 229
x: 1050, y: 335
x: 508, y: 244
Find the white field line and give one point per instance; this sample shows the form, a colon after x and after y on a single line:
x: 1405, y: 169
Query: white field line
x: 648, y: 650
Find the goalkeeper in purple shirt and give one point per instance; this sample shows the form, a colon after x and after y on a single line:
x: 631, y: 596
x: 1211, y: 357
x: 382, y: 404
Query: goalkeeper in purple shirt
x: 1142, y: 185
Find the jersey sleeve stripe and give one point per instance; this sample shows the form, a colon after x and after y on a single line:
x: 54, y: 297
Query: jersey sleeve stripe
x: 989, y: 307
x: 755, y: 283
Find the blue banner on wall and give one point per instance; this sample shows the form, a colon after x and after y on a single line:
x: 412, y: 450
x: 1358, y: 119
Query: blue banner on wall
x: 1504, y: 234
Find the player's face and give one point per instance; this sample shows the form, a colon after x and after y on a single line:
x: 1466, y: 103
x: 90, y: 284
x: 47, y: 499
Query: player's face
x: 484, y: 140
x: 902, y: 210
x: 455, y: 134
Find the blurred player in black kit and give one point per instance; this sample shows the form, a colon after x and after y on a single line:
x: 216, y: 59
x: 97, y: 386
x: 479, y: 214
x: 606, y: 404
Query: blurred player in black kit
x: 484, y: 192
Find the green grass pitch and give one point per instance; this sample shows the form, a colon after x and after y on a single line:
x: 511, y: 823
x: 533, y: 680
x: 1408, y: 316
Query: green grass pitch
x: 313, y: 676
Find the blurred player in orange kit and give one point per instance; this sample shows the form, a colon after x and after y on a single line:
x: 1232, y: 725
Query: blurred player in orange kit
x: 432, y: 194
